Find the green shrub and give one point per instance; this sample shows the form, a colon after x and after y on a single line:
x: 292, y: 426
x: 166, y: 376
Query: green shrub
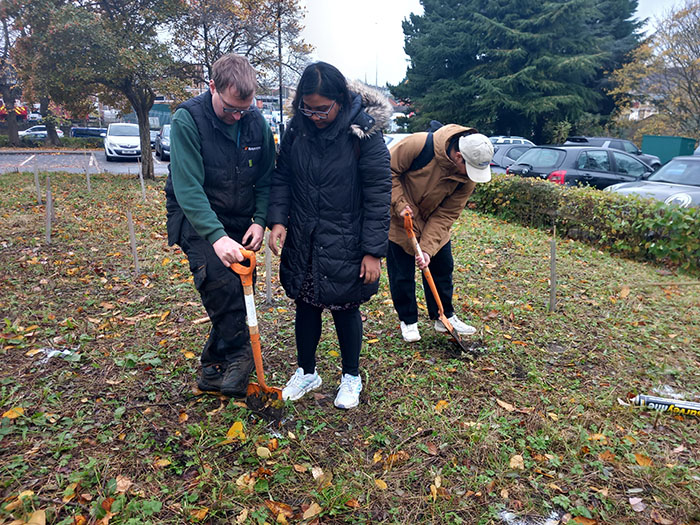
x: 66, y: 142
x: 643, y: 229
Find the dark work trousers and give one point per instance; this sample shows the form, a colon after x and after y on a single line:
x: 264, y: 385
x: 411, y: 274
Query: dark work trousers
x: 401, y: 268
x: 222, y: 296
x: 348, y: 327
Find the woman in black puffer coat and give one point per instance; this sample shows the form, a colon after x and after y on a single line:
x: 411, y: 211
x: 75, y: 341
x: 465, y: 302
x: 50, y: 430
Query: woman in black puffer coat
x: 329, y: 208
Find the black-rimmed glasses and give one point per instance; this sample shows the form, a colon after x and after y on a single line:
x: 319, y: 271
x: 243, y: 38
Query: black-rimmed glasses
x: 232, y: 110
x: 322, y: 115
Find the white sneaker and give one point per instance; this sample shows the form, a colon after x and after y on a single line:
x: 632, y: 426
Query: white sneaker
x: 348, y: 392
x: 410, y: 332
x: 300, y: 384
x: 460, y: 327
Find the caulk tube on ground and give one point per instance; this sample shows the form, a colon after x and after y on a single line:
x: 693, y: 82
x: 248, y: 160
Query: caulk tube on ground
x: 663, y: 404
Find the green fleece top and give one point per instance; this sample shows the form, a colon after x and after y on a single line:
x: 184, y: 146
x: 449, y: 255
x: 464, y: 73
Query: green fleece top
x: 187, y: 171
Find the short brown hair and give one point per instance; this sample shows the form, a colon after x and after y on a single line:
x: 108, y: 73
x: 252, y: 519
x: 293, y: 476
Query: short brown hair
x: 234, y: 71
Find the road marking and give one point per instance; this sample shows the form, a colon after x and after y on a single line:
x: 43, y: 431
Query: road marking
x: 27, y: 160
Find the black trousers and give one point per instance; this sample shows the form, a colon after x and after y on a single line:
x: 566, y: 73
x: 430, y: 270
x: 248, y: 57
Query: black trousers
x: 401, y: 268
x: 348, y: 327
x: 221, y: 292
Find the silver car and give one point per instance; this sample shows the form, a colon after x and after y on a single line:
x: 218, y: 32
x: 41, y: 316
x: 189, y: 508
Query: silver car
x: 677, y: 182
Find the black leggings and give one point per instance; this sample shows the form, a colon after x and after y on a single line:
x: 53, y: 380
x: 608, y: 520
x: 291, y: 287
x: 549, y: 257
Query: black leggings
x: 348, y: 327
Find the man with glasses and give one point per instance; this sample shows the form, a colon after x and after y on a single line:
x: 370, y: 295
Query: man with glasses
x: 222, y: 153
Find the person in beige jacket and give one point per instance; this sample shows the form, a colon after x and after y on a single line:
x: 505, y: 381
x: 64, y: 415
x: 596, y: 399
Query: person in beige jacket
x: 434, y: 195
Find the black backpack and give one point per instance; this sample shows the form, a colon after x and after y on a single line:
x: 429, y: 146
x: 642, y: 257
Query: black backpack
x: 425, y: 155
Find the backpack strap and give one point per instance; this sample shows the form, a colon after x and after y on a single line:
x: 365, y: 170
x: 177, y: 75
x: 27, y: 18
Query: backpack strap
x: 425, y: 155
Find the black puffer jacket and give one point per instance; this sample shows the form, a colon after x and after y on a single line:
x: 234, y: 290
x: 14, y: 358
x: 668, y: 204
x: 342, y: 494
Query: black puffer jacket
x: 332, y: 190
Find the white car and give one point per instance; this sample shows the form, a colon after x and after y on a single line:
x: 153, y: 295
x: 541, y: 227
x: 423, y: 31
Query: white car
x: 392, y: 139
x: 122, y: 141
x: 509, y: 139
x: 38, y: 132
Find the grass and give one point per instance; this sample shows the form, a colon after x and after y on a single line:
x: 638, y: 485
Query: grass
x: 112, y: 430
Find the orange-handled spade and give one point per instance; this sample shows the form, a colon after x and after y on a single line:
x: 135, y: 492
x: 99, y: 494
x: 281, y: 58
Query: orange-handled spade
x: 408, y: 225
x: 260, y: 388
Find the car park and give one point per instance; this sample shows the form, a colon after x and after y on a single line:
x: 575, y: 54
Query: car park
x: 506, y: 154
x: 122, y: 141
x: 619, y: 144
x: 162, y: 146
x: 580, y: 166
x: 509, y: 139
x: 87, y: 132
x: 677, y: 182
x: 38, y: 132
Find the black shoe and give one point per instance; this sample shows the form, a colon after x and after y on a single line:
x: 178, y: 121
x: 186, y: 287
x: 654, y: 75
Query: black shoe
x: 236, y: 377
x: 211, y: 377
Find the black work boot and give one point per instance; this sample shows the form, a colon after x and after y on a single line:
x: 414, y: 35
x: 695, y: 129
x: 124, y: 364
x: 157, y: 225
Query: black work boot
x: 236, y: 377
x: 211, y: 377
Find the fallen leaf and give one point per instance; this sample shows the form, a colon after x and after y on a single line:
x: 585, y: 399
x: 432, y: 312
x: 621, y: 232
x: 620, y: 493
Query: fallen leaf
x: 378, y: 455
x: 188, y: 354
x: 606, y: 455
x: 504, y: 493
x: 277, y: 508
x: 432, y: 449
x: 625, y: 291
x: 440, y: 406
x: 598, y: 437
x: 263, y: 452
x: 242, y: 517
x: 507, y: 406
x: 353, y: 503
x: 678, y: 449
x: 642, y: 460
x: 372, y: 341
x: 123, y: 484
x: 236, y: 431
x: 312, y: 511
x: 37, y: 518
x: 300, y: 468
x: 14, y: 413
x: 18, y: 502
x: 553, y: 416
x: 393, y: 459
x: 317, y: 472
x: 162, y: 463
x: 183, y: 417
x: 334, y: 353
x: 199, y: 514
x: 658, y: 518
x: 517, y: 462
x: 637, y: 504
x: 584, y: 521
x: 381, y: 484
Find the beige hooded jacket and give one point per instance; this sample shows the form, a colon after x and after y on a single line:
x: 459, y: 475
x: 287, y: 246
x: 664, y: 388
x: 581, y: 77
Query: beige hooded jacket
x: 437, y: 193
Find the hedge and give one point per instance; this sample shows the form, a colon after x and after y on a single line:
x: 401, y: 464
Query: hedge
x: 66, y: 143
x: 642, y: 229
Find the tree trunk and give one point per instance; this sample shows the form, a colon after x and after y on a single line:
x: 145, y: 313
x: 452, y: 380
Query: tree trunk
x: 145, y: 136
x: 51, y: 135
x: 12, y: 129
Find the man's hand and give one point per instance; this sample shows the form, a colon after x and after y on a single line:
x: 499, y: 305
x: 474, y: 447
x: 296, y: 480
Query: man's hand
x: 253, y: 238
x: 277, y: 236
x: 228, y: 250
x: 424, y: 262
x: 370, y: 269
x: 406, y: 211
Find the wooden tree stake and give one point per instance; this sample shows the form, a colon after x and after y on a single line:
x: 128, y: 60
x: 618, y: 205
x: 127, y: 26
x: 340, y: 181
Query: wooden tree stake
x: 553, y: 271
x: 132, y: 238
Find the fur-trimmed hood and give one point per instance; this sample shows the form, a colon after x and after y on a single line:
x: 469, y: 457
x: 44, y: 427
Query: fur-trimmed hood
x: 373, y: 104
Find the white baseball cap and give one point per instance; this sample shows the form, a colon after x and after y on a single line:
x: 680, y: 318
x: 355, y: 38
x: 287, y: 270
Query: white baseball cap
x: 477, y: 151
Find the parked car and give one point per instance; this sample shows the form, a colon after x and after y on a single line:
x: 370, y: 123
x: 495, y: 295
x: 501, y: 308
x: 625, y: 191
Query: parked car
x: 580, y: 166
x: 38, y: 132
x: 162, y: 146
x: 34, y: 117
x: 506, y: 154
x: 509, y: 139
x: 677, y: 182
x: 153, y: 133
x: 122, y: 141
x: 87, y: 132
x: 392, y: 139
x: 620, y: 144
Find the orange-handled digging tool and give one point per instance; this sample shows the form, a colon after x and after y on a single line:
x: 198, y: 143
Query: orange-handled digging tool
x: 260, y: 388
x: 408, y: 225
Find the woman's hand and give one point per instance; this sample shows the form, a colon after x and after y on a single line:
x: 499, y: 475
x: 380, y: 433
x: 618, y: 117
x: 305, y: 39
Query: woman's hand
x: 277, y: 236
x: 370, y: 269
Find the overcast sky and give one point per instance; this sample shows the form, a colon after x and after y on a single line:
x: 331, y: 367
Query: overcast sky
x: 364, y: 38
